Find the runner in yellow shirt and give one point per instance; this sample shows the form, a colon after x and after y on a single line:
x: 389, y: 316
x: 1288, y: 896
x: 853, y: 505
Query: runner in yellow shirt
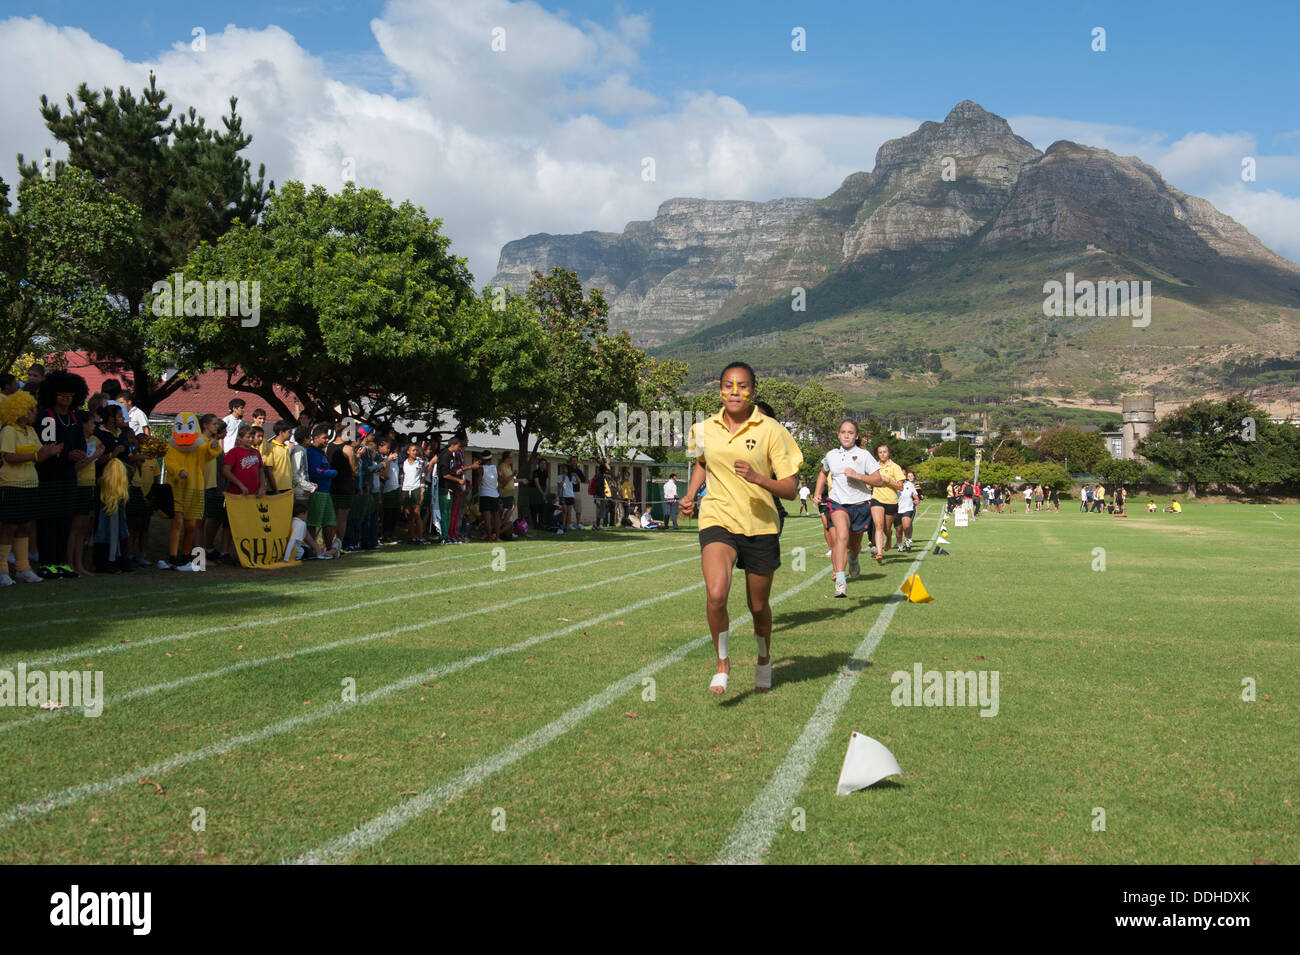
x: 884, y: 501
x: 736, y: 450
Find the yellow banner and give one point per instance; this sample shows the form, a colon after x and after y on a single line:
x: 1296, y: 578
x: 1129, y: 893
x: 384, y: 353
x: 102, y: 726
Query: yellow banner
x: 260, y: 527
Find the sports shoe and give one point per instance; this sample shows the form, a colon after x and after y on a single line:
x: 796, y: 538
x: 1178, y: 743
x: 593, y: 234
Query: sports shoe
x: 7, y: 581
x: 560, y: 532
x: 855, y: 570
x: 26, y: 576
x: 163, y: 565
x: 841, y: 589
x: 47, y: 573
x: 899, y: 547
x: 828, y: 553
x: 64, y: 570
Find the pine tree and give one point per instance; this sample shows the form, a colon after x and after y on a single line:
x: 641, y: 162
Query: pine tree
x: 188, y: 182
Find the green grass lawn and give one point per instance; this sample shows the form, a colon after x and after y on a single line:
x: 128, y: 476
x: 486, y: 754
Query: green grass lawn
x: 555, y: 709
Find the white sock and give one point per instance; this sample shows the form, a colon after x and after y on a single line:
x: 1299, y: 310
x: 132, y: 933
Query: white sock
x: 722, y: 644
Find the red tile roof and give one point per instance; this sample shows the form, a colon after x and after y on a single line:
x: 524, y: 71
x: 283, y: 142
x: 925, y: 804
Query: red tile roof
x: 207, y: 392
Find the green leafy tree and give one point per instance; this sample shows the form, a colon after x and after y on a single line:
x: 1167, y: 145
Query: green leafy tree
x: 1229, y: 441
x: 813, y: 413
x: 188, y: 183
x: 363, y: 309
x: 938, y: 471
x: 56, y: 253
x: 1081, y: 450
x: 1045, y: 473
x: 1117, y: 471
x: 573, y: 369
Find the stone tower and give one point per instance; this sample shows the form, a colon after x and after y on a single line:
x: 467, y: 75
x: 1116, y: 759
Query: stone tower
x: 1139, y: 416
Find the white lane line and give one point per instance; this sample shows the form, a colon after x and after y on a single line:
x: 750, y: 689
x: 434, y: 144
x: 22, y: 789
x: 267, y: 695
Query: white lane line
x: 224, y: 599
x: 753, y: 833
x: 74, y: 794
x: 324, y: 611
x: 195, y: 585
x: 381, y: 827
x: 1277, y: 515
x: 349, y: 641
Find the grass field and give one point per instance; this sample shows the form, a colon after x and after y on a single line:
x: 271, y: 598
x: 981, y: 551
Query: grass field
x: 554, y: 708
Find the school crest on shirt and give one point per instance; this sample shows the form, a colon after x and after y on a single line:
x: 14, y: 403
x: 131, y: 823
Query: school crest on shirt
x: 750, y: 443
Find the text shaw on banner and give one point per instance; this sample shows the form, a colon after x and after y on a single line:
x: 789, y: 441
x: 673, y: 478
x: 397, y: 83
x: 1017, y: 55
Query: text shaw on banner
x: 260, y: 527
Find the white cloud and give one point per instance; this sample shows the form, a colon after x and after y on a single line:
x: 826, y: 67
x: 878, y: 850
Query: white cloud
x: 1271, y: 217
x: 547, y: 136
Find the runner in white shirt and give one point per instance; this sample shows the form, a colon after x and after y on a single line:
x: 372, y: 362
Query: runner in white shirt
x: 907, y: 499
x: 805, y: 492
x: 853, y: 471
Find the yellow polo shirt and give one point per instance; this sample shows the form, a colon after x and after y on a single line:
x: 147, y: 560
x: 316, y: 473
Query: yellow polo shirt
x: 887, y: 495
x: 276, y: 458
x: 732, y: 502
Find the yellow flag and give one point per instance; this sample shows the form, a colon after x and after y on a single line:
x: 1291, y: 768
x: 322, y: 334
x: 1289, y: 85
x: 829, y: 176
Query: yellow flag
x: 260, y: 527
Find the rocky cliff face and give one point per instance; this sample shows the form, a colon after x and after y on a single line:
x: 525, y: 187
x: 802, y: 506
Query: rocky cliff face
x: 968, y: 183
x: 938, y: 185
x: 663, y: 277
x: 1078, y: 194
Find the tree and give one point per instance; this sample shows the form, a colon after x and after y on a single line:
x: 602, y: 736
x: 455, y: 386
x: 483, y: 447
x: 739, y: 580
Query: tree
x: 1117, y: 471
x: 1224, y: 441
x: 564, y: 369
x: 938, y: 471
x: 1082, y: 450
x: 362, y: 309
x: 1044, y: 473
x: 189, y: 185
x: 55, y: 255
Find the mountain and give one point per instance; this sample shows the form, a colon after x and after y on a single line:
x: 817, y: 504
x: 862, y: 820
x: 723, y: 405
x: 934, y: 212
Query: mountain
x: 930, y: 270
x: 662, y: 277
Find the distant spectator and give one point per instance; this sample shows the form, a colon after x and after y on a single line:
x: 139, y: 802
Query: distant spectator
x: 35, y: 376
x: 135, y: 418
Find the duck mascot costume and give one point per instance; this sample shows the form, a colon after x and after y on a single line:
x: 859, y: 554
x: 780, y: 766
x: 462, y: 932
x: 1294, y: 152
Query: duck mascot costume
x: 188, y: 452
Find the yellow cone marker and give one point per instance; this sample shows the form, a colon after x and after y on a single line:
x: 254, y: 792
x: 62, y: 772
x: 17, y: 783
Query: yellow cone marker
x: 915, y: 590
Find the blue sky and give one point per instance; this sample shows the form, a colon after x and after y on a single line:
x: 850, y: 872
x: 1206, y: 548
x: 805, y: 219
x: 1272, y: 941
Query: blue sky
x: 544, y: 137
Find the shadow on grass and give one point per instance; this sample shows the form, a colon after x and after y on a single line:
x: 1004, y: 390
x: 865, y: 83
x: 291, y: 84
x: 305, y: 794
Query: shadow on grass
x: 790, y: 670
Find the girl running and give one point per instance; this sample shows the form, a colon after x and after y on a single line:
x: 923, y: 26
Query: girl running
x: 852, y: 470
x: 736, y: 450
x: 884, y: 502
x: 907, y: 501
